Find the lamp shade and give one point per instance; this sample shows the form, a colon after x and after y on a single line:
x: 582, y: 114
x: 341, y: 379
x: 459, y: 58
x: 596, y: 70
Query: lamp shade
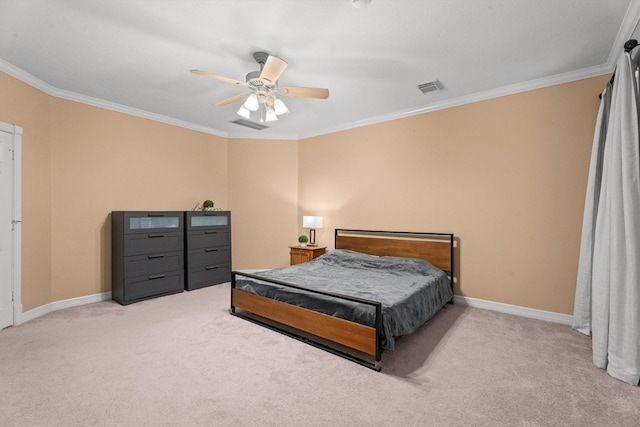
x: 312, y: 221
x: 270, y: 115
x: 279, y: 107
x: 244, y: 112
x: 251, y: 103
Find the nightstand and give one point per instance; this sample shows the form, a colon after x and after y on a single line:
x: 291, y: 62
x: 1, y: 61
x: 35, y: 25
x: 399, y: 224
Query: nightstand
x: 300, y: 254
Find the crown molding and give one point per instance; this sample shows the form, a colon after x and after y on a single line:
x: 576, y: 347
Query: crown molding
x: 95, y: 102
x: 476, y: 97
x: 625, y: 32
x: 455, y: 102
x: 627, y: 28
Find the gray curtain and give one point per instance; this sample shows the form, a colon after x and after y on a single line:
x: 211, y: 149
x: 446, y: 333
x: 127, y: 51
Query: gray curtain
x: 607, y: 301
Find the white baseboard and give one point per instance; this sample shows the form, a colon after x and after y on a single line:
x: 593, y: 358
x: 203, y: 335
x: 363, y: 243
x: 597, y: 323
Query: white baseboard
x: 60, y: 305
x: 533, y: 313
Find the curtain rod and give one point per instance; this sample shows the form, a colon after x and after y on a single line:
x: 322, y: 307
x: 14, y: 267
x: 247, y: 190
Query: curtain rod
x: 629, y: 45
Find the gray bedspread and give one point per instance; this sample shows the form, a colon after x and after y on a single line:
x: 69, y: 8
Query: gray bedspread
x: 410, y: 290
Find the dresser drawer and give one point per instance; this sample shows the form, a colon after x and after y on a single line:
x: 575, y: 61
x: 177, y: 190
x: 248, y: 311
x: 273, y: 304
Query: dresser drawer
x: 199, y: 277
x: 140, y: 287
x: 153, y: 243
x: 304, y: 254
x: 208, y: 257
x: 152, y: 222
x: 153, y: 264
x: 207, y: 219
x: 208, y: 238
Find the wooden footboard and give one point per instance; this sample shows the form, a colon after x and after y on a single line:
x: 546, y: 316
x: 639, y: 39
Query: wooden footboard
x: 349, y: 334
x: 327, y: 332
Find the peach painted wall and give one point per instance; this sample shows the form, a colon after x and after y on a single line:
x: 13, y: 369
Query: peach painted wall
x: 104, y: 161
x: 507, y: 176
x: 82, y: 162
x: 263, y: 190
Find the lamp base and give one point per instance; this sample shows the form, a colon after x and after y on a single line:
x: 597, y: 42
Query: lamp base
x: 312, y: 237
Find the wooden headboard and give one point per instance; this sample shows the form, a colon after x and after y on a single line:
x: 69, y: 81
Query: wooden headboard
x: 436, y: 248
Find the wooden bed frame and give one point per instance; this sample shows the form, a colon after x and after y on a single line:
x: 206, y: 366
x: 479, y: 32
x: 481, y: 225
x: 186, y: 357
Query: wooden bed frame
x: 354, y: 341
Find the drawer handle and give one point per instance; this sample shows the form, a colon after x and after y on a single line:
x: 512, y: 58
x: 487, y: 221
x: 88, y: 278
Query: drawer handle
x: 211, y: 267
x: 211, y: 250
x: 151, y: 236
x: 159, y: 276
x: 156, y: 256
x: 210, y: 232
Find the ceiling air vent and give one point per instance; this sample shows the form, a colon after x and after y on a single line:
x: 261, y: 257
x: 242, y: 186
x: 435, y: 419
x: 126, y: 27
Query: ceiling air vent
x: 249, y: 124
x: 434, y: 86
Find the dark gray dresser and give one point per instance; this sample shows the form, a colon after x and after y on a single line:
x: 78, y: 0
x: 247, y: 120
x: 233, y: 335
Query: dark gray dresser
x: 147, y: 255
x: 208, y: 248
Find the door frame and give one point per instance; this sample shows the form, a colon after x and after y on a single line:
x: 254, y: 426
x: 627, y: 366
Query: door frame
x: 16, y: 235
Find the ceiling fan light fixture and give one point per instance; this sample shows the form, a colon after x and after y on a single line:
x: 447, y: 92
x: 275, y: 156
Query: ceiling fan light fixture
x: 244, y: 112
x: 279, y: 107
x: 262, y: 99
x: 251, y: 103
x: 270, y: 115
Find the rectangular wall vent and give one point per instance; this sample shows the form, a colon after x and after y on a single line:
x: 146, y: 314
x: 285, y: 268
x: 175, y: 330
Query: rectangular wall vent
x: 249, y: 124
x: 434, y: 86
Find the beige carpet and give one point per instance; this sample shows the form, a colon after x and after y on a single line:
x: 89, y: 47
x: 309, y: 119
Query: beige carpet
x: 183, y: 360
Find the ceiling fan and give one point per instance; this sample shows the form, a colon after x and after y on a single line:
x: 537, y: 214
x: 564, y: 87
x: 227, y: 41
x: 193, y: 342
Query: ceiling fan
x: 264, y: 93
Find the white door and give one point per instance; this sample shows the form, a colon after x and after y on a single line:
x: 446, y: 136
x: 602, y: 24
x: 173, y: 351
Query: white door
x: 7, y: 225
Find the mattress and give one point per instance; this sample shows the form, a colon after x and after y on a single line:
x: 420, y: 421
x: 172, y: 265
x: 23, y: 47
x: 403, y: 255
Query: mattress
x: 410, y: 290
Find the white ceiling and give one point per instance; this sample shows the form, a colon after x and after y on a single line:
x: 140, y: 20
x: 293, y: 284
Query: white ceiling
x: 135, y: 55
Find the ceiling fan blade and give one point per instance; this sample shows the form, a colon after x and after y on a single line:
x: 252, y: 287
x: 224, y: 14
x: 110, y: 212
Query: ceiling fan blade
x: 273, y: 69
x: 304, y: 92
x: 217, y: 77
x: 231, y: 100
